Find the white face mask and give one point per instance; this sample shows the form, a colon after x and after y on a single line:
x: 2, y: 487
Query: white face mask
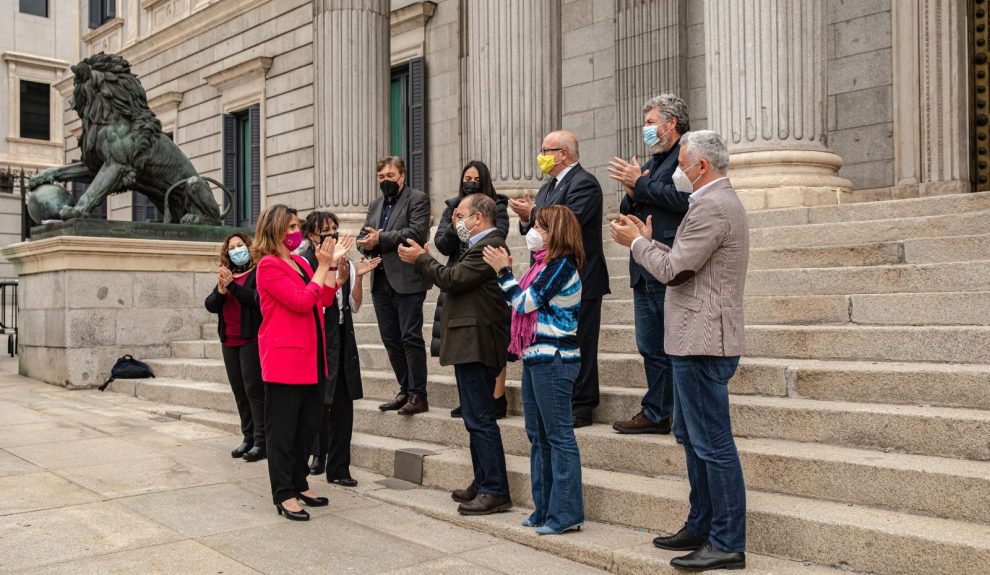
x: 463, y: 233
x: 534, y: 241
x: 682, y: 182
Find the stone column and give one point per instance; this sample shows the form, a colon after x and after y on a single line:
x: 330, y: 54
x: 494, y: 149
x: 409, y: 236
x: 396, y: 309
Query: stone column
x: 351, y: 97
x: 512, y: 86
x: 766, y: 97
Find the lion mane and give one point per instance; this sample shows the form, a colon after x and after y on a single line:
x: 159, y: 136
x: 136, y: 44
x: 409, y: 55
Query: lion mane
x: 105, y: 92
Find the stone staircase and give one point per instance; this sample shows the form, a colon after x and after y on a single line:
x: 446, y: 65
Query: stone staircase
x: 861, y: 410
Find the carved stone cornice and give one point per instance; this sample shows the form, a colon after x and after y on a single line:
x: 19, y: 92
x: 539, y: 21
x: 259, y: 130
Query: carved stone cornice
x: 168, y: 99
x: 35, y: 61
x: 411, y: 17
x: 109, y: 254
x: 106, y: 28
x: 239, y: 73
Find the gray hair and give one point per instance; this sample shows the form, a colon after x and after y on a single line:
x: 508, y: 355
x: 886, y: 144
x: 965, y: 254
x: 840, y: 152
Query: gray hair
x: 483, y: 205
x: 708, y: 145
x: 670, y: 106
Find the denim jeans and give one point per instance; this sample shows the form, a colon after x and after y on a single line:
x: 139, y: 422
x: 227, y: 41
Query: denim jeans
x: 476, y: 386
x: 648, y: 295
x: 702, y: 426
x: 555, y: 463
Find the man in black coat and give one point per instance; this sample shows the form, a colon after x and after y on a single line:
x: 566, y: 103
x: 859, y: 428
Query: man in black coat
x: 572, y: 186
x: 397, y: 291
x: 651, y: 193
x: 475, y: 341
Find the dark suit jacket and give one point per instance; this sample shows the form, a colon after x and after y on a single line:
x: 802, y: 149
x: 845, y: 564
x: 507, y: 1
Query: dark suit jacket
x: 580, y: 191
x: 247, y: 295
x: 474, y: 321
x: 410, y: 220
x: 655, y: 195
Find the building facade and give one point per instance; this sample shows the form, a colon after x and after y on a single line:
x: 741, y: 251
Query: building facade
x: 292, y: 101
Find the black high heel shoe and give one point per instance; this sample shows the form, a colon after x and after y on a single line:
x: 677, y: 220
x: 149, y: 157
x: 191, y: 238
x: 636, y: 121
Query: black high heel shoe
x: 301, y: 515
x: 313, y: 501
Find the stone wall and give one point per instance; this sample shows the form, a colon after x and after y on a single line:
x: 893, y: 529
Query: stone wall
x: 860, y: 105
x: 443, y: 103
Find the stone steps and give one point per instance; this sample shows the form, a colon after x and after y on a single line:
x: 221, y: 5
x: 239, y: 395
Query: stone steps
x: 908, y: 251
x: 952, y: 344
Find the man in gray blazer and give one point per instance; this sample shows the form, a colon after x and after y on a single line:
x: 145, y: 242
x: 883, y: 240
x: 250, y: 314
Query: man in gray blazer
x: 705, y: 273
x: 397, y: 291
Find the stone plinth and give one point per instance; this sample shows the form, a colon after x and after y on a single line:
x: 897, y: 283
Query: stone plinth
x: 85, y: 301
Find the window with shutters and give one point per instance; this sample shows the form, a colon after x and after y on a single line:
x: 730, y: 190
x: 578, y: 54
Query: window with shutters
x: 34, y: 7
x: 36, y: 110
x: 100, y: 11
x: 242, y: 165
x: 100, y: 211
x: 407, y: 120
x: 142, y: 209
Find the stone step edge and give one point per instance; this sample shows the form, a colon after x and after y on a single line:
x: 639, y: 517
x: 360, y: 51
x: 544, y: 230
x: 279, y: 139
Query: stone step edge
x: 585, y: 546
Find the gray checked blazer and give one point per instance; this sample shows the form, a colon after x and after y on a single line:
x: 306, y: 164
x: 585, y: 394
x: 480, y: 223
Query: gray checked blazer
x: 705, y: 273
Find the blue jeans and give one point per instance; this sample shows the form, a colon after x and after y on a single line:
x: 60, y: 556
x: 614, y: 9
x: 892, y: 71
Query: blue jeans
x: 702, y: 426
x: 476, y: 386
x: 648, y: 295
x: 555, y: 463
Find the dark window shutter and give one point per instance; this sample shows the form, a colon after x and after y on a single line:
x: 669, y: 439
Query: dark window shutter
x: 139, y: 206
x: 417, y: 124
x: 254, y: 115
x: 95, y: 13
x: 230, y: 165
x: 111, y: 11
x: 100, y: 211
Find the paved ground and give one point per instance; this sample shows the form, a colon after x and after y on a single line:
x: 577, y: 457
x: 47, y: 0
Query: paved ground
x: 93, y: 483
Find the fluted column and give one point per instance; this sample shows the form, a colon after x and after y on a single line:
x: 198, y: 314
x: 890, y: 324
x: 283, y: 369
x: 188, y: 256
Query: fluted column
x: 512, y: 86
x: 351, y: 93
x: 766, y: 97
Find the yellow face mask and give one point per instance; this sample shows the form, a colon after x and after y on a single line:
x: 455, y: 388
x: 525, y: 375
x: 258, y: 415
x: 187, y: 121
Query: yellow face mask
x: 545, y: 162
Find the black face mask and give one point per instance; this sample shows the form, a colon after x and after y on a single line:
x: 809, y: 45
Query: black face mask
x: 469, y: 188
x: 334, y: 235
x: 389, y: 188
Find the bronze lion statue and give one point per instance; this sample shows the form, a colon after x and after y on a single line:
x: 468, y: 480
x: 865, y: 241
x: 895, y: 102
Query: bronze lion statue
x: 123, y: 148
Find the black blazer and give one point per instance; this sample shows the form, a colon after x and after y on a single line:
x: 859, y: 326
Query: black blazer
x: 580, y: 191
x: 655, y: 195
x: 410, y: 219
x: 475, y: 317
x: 247, y: 295
x: 341, y: 363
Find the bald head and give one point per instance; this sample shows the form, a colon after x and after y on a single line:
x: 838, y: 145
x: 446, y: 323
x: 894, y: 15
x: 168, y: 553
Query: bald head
x: 563, y: 146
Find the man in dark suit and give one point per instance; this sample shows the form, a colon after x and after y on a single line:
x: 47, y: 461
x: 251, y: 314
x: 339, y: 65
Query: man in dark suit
x: 474, y: 323
x: 650, y: 192
x: 572, y: 186
x: 397, y: 291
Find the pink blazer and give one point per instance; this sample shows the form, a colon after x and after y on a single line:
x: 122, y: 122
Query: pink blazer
x: 287, y: 338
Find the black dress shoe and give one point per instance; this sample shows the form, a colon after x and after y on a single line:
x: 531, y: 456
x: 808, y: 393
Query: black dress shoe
x: 464, y: 495
x: 416, y: 404
x: 293, y: 515
x: 708, y: 557
x: 581, y: 422
x: 241, y: 449
x: 255, y: 454
x: 345, y: 481
x: 397, y: 403
x: 319, y: 465
x: 485, y: 504
x: 313, y: 501
x: 456, y: 412
x: 683, y: 540
x: 501, y: 407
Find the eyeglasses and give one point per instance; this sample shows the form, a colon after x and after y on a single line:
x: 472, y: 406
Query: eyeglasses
x: 545, y: 150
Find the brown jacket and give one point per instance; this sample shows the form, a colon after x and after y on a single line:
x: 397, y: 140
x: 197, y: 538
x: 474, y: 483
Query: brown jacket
x: 474, y: 322
x: 705, y: 273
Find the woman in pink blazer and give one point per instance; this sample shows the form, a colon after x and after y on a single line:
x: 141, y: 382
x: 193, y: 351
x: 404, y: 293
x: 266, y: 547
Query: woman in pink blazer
x: 293, y: 356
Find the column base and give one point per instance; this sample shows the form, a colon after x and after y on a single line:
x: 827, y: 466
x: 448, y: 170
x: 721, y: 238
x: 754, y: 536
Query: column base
x: 770, y: 179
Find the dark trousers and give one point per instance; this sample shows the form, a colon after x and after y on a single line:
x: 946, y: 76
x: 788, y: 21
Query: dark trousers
x: 400, y: 323
x: 335, y: 433
x: 476, y: 386
x: 244, y: 373
x: 292, y: 420
x: 589, y: 324
x: 703, y: 427
x: 648, y: 297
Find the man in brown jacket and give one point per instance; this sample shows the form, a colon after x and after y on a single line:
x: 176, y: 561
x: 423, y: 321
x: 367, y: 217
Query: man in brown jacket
x: 705, y: 273
x: 474, y: 324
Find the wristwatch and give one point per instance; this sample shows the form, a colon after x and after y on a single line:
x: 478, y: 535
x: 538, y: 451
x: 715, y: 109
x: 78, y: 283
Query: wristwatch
x: 504, y: 271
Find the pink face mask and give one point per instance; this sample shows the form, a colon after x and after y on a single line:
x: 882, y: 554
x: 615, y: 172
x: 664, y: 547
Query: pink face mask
x: 293, y: 239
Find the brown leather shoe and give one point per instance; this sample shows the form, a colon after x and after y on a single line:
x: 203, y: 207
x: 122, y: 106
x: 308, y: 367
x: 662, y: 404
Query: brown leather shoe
x: 640, y: 424
x: 485, y: 504
x: 464, y: 495
x: 416, y: 404
x: 397, y: 403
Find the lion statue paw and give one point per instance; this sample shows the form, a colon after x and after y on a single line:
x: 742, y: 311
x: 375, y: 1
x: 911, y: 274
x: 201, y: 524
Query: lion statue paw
x: 71, y: 212
x: 41, y: 178
x: 192, y: 219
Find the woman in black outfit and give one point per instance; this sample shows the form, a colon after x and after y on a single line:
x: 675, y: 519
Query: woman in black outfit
x: 332, y: 447
x: 475, y: 178
x: 235, y: 301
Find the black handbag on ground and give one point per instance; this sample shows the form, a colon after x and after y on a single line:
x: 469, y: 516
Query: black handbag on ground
x: 128, y: 368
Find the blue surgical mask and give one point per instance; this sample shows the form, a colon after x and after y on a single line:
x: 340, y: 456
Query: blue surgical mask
x: 650, y: 137
x: 239, y: 256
